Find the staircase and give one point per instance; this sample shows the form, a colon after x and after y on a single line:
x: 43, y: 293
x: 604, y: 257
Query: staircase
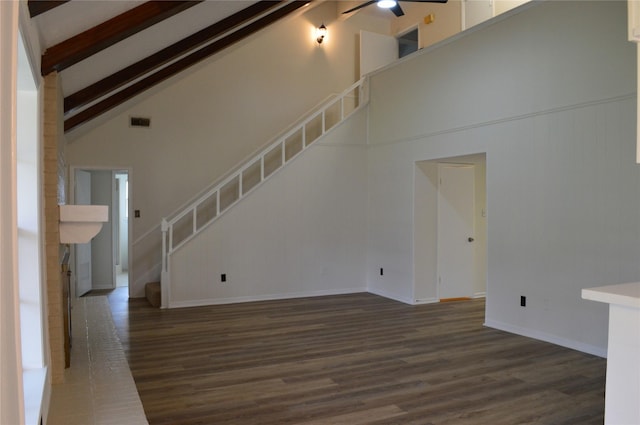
x: 193, y: 218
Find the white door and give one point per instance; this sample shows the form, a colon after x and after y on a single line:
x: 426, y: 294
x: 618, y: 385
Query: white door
x: 376, y: 51
x: 102, y: 261
x: 83, y: 251
x: 455, y: 230
x: 476, y: 11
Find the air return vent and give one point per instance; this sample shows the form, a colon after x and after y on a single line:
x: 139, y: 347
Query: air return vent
x: 139, y: 122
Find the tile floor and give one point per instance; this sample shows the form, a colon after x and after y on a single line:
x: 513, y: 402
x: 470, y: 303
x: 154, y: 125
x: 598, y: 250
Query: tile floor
x: 98, y: 388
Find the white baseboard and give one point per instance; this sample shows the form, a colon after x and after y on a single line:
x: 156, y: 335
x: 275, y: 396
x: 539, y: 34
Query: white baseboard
x: 390, y: 296
x: 543, y: 336
x: 426, y: 301
x: 266, y: 297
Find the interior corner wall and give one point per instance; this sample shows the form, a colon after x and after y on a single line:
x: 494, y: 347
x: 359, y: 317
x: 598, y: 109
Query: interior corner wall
x: 301, y: 233
x: 549, y: 94
x: 207, y: 120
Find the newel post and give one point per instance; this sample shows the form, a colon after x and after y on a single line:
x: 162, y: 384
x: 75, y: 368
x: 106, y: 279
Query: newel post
x: 164, y: 275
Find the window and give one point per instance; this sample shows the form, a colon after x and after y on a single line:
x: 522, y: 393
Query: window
x: 407, y: 43
x: 30, y: 276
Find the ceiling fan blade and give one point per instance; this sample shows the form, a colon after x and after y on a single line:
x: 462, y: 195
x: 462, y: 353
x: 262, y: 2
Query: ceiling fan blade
x: 397, y: 10
x: 426, y: 1
x: 360, y: 7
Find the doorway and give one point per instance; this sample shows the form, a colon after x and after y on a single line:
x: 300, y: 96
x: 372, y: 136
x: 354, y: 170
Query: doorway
x: 376, y: 51
x: 103, y: 263
x: 432, y: 256
x: 475, y: 12
x: 121, y: 228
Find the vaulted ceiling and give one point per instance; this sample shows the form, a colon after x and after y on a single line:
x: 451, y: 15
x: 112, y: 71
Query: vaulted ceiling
x: 106, y: 52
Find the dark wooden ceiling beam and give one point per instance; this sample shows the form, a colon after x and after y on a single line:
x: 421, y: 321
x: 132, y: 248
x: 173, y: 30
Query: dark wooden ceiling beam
x: 108, y: 33
x: 38, y: 7
x: 178, y: 66
x: 149, y: 64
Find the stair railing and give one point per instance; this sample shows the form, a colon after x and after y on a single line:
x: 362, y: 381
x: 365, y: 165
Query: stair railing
x: 206, y: 209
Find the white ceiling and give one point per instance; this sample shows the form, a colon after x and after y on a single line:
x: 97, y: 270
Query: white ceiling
x: 76, y: 16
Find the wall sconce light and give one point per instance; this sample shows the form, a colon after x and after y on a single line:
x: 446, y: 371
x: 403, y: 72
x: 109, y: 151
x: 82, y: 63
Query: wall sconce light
x: 429, y: 19
x: 321, y: 33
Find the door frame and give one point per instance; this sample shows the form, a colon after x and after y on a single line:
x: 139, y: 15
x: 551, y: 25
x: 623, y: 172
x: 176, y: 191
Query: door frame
x: 113, y: 169
x: 80, y: 286
x: 425, y: 225
x: 463, y: 14
x: 376, y: 51
x: 406, y: 31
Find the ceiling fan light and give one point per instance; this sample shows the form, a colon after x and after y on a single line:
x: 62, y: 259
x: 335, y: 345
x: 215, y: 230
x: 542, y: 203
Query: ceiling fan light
x: 387, y: 4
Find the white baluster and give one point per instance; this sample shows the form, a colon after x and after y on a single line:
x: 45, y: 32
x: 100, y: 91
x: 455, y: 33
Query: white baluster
x: 195, y: 220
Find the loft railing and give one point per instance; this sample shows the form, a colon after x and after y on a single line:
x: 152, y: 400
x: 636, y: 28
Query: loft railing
x: 205, y: 210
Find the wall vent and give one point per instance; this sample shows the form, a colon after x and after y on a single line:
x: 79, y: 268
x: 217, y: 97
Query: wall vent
x: 139, y: 122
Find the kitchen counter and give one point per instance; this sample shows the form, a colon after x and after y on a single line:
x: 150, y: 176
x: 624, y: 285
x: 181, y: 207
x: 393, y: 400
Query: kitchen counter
x: 622, y: 400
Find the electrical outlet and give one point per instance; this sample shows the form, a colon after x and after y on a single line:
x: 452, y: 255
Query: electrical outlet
x: 523, y: 301
x: 223, y: 277
x: 136, y: 213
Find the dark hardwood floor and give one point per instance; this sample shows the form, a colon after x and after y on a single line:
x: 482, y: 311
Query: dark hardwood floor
x: 350, y: 359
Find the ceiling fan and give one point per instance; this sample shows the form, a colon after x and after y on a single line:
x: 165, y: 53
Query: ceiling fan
x: 393, y: 5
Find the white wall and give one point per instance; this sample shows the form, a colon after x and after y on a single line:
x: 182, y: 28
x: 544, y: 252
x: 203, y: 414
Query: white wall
x: 302, y: 233
x: 549, y: 95
x: 205, y: 121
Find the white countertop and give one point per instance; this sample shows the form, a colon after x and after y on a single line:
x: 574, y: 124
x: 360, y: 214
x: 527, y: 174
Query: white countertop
x: 624, y: 294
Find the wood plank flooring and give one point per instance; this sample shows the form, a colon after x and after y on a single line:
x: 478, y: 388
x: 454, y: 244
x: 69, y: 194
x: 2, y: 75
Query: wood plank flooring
x: 349, y: 359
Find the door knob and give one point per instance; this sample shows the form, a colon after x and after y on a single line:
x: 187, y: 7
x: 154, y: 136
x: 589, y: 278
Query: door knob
x: 470, y: 239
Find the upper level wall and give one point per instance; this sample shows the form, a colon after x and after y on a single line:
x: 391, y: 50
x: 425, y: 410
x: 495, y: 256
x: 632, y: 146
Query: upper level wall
x: 549, y: 94
x: 447, y: 18
x: 511, y: 67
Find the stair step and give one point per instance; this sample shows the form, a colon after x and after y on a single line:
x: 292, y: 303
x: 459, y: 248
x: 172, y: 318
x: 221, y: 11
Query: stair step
x: 152, y: 293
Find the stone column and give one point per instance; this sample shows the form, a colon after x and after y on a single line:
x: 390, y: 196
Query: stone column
x: 53, y: 189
